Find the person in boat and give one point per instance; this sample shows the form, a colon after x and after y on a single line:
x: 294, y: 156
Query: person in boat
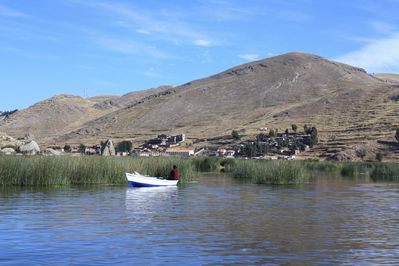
x: 174, y: 174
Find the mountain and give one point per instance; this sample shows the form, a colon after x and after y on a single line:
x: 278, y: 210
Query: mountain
x: 60, y: 114
x: 388, y: 77
x: 50, y: 118
x: 110, y: 101
x: 349, y: 106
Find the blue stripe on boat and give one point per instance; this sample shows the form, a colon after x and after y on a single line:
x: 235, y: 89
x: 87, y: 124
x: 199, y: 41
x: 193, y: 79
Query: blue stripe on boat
x: 137, y: 184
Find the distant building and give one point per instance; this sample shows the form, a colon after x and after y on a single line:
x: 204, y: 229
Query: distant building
x: 146, y: 153
x: 222, y: 152
x: 90, y: 151
x: 230, y: 153
x: 179, y: 152
x: 164, y: 141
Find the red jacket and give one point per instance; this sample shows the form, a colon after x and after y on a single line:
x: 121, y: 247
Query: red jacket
x: 174, y: 174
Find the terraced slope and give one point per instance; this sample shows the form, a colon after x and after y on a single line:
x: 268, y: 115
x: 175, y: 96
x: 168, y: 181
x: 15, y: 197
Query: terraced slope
x: 347, y: 105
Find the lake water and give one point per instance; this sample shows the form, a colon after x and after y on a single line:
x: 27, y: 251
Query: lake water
x: 216, y: 221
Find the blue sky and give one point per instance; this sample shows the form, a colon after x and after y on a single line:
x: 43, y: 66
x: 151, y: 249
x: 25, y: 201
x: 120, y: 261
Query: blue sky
x: 91, y: 47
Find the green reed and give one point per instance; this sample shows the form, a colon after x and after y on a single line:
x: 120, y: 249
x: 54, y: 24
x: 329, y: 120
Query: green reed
x: 270, y: 172
x: 385, y: 172
x: 207, y: 164
x: 355, y: 169
x: 69, y: 170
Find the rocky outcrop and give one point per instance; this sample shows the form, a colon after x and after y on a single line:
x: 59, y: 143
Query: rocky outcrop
x: 344, y: 156
x: 29, y: 137
x: 30, y: 148
x: 7, y: 141
x: 7, y: 151
x: 51, y: 151
x: 356, y: 154
x: 109, y: 149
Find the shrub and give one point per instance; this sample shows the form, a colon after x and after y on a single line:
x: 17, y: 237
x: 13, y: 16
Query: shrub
x: 67, y: 148
x: 379, y: 156
x: 235, y: 135
x: 124, y: 146
x: 294, y: 127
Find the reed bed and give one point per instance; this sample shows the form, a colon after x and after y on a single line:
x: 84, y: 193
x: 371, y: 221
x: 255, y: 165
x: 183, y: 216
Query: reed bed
x: 356, y: 170
x: 227, y: 165
x: 88, y: 170
x: 207, y: 164
x: 67, y: 170
x: 270, y: 172
x: 385, y: 172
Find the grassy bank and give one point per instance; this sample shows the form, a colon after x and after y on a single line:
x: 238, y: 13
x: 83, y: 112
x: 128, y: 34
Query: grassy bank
x: 65, y: 170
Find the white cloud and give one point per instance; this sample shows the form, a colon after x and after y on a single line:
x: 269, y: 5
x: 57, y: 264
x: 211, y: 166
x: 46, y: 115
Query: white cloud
x: 202, y: 42
x: 130, y: 47
x: 7, y: 12
x: 249, y: 57
x: 143, y: 31
x: 152, y: 73
x: 377, y: 56
x: 206, y: 57
x: 162, y: 25
x: 219, y: 10
x: 382, y: 27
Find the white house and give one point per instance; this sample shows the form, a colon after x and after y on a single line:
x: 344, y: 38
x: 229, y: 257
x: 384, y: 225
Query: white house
x: 180, y: 152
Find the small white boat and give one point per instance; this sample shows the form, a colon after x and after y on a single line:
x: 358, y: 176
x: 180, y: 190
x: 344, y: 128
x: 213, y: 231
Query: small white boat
x: 138, y: 180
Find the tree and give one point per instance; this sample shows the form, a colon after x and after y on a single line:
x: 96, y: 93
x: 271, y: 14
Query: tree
x: 67, y: 148
x: 307, y: 129
x: 82, y: 149
x: 379, y: 156
x: 294, y: 127
x: 252, y: 149
x: 361, y: 152
x: 124, y: 146
x: 397, y: 134
x: 314, y: 139
x: 286, y: 131
x: 261, y: 137
x: 272, y: 133
x: 262, y: 148
x: 249, y: 150
x: 235, y: 135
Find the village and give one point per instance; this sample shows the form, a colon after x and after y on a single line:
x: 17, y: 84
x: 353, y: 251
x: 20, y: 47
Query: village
x: 268, y: 144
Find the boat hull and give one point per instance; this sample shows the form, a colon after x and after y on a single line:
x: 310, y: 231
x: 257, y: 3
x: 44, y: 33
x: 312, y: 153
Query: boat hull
x: 137, y: 180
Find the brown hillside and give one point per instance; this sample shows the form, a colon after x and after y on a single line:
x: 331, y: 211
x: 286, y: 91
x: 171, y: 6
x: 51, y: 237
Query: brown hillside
x: 129, y: 98
x: 50, y: 118
x: 387, y: 77
x: 347, y: 105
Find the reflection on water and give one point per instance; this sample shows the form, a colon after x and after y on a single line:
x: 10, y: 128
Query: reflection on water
x: 330, y: 221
